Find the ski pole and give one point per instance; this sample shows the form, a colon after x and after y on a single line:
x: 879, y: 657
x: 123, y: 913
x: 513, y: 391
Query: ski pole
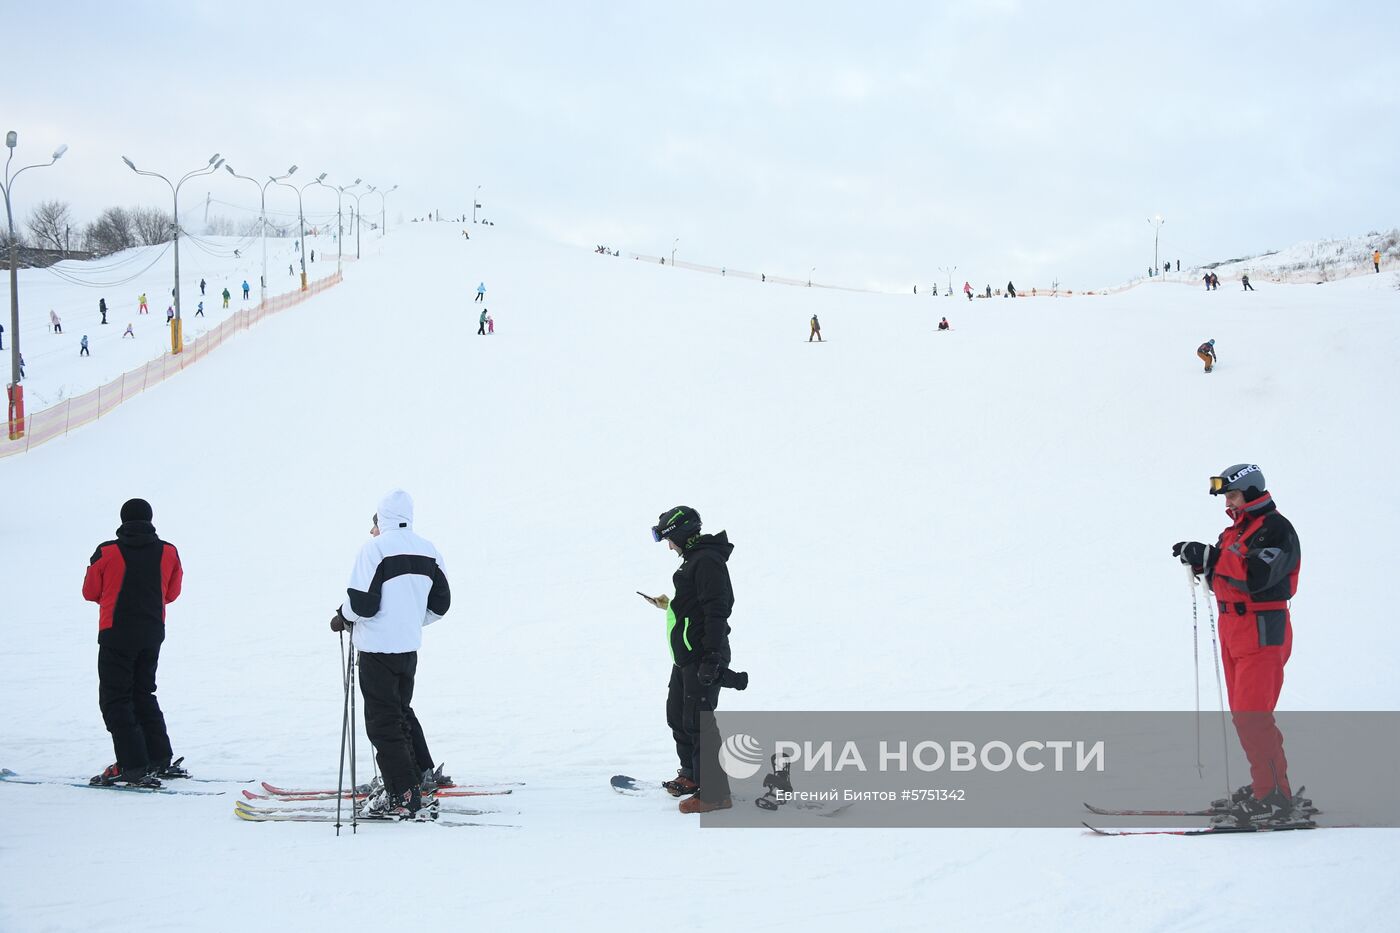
x: 344, y: 729
x: 1196, y: 662
x: 354, y: 811
x: 1220, y: 695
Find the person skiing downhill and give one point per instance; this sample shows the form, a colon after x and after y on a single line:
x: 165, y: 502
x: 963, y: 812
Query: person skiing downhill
x: 1252, y: 570
x: 132, y: 579
x: 226, y: 296
x: 816, y: 330
x: 1245, y: 279
x: 397, y: 587
x: 967, y: 290
x: 481, y: 292
x: 83, y: 347
x: 1206, y: 352
x: 697, y: 627
x: 128, y: 332
x: 143, y: 309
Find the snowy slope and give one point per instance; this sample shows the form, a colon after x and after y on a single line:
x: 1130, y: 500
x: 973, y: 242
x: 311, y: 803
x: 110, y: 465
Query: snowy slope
x: 971, y: 520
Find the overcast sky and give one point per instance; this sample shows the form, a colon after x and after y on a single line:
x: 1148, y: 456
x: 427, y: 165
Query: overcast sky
x: 874, y: 141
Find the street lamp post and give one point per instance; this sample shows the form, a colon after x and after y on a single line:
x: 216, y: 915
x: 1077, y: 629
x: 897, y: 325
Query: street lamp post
x: 809, y: 277
x: 177, y: 337
x: 383, y: 208
x: 339, y: 227
x: 359, y: 215
x: 262, y: 190
x: 476, y: 201
x: 673, y: 250
x: 16, y: 391
x: 301, y: 219
x: 1156, y: 222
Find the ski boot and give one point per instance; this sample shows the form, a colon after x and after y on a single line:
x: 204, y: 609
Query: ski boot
x: 699, y: 805
x: 434, y: 779
x: 410, y: 806
x: 682, y: 786
x: 114, y: 775
x: 1273, y: 811
x: 170, y: 769
x: 1301, y: 805
x: 779, y: 781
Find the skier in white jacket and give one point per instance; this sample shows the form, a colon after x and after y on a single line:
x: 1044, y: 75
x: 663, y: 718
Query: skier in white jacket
x: 397, y: 587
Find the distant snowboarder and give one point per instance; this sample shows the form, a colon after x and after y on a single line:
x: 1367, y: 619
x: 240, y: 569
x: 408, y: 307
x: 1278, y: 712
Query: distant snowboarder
x: 1206, y: 352
x: 967, y: 290
x: 816, y: 330
x: 944, y: 325
x: 481, y: 292
x: 1247, y: 286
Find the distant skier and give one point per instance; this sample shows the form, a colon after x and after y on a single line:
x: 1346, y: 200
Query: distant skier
x: 199, y: 311
x: 490, y: 325
x: 481, y: 292
x: 397, y: 588
x: 169, y: 314
x: 1178, y: 265
x: 132, y: 579
x: 1206, y: 352
x: 201, y: 287
x: 128, y: 332
x: 697, y: 625
x: 989, y: 291
x: 944, y: 325
x: 481, y: 323
x: 143, y: 309
x: 245, y: 289
x: 967, y: 290
x: 1010, y: 290
x: 102, y: 309
x: 55, y: 321
x: 816, y: 330
x: 1376, y: 259
x: 1206, y: 278
x: 313, y: 255
x: 290, y: 271
x: 1252, y: 572
x: 227, y: 296
x: 83, y: 347
x: 1247, y: 286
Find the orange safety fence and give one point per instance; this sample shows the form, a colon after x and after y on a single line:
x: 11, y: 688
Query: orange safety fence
x: 58, y: 420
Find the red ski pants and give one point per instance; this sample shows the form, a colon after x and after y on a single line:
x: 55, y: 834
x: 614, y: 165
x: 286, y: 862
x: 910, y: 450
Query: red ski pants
x: 1254, y: 679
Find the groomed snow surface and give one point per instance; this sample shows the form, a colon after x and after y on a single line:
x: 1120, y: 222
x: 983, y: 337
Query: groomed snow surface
x: 974, y: 520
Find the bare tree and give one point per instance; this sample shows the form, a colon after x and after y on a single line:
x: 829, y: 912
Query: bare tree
x: 219, y: 225
x: 49, y: 222
x: 152, y: 225
x: 5, y: 238
x: 112, y: 231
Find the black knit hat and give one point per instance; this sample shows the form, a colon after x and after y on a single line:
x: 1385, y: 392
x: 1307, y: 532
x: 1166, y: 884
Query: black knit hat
x: 136, y: 510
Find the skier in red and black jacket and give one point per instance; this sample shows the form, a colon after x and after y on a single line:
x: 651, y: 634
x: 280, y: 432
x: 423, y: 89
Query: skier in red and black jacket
x: 1252, y: 570
x: 132, y: 579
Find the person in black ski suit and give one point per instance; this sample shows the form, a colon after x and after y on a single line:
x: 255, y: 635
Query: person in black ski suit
x: 697, y: 625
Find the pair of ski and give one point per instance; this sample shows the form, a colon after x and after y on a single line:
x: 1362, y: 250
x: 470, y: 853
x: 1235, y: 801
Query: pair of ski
x: 631, y: 787
x: 11, y: 777
x: 326, y: 813
x: 1304, y: 823
x: 294, y: 794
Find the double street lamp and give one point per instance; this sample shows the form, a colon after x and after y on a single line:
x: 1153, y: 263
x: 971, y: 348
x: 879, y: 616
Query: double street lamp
x: 1157, y: 223
x: 384, y: 208
x: 301, y: 217
x: 262, y: 190
x: 359, y: 217
x: 339, y: 226
x: 949, y: 270
x: 177, y: 342
x: 16, y: 391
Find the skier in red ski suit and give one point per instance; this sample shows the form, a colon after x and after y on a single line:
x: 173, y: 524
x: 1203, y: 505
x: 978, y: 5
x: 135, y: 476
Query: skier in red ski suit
x: 1252, y: 571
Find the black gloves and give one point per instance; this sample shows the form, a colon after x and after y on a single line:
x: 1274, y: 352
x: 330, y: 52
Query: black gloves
x: 339, y: 623
x: 711, y: 669
x: 1194, y: 554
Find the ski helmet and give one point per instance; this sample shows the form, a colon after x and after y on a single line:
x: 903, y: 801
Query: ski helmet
x: 1211, y: 341
x: 679, y: 524
x: 1242, y: 477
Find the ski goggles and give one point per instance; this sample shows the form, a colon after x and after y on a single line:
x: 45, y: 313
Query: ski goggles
x: 1219, y: 484
x: 656, y: 533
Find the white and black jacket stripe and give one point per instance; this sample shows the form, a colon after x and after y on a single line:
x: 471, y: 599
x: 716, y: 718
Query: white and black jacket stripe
x: 397, y: 587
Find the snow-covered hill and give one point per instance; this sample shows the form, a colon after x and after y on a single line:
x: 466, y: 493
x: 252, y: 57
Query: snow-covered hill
x: 973, y: 520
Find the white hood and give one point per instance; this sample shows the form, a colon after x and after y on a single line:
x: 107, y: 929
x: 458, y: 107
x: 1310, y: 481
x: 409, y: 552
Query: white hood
x: 395, y: 511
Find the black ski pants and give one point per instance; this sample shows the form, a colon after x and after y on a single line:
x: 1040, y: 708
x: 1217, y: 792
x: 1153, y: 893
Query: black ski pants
x: 690, y: 712
x: 126, y: 693
x: 386, y: 683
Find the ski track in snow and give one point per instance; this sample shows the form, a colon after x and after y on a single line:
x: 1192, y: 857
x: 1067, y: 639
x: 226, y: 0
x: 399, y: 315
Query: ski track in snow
x: 981, y: 521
